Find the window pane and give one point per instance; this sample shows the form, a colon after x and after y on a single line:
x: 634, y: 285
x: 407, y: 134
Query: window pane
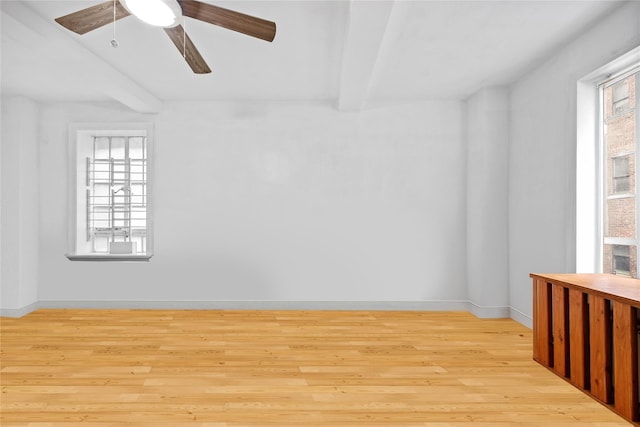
x: 110, y: 193
x: 619, y: 115
x: 117, y: 195
x: 101, y: 170
x: 101, y: 147
x: 621, y: 259
x: 621, y: 265
x: 136, y: 147
x: 137, y: 170
x: 620, y: 91
x: 621, y: 106
x: 117, y: 148
x: 622, y: 185
x: 119, y: 174
x: 101, y: 244
x: 621, y: 166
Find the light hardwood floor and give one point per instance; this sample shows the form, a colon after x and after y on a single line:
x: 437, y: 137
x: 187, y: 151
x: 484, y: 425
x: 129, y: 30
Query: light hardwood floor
x: 272, y: 368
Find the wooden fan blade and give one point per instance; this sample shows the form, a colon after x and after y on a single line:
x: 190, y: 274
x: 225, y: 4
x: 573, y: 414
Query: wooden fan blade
x: 93, y: 17
x: 193, y: 57
x: 236, y: 21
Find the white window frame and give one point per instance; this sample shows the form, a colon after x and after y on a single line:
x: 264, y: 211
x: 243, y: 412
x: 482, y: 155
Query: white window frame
x: 80, y: 133
x: 589, y: 206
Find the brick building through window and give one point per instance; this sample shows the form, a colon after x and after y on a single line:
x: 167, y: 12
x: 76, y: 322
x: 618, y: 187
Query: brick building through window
x: 620, y: 214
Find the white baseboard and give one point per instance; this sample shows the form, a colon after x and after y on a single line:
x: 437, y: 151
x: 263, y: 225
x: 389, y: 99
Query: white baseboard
x: 488, y: 312
x: 19, y: 312
x: 438, y: 305
x: 454, y: 305
x: 520, y: 317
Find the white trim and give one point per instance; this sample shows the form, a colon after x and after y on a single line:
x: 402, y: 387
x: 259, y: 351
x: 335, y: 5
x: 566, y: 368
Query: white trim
x: 482, y: 312
x: 132, y: 128
x: 625, y: 241
x: 621, y: 75
x: 589, y: 167
x: 620, y: 196
x: 488, y: 312
x: 588, y: 211
x: 622, y: 154
x: 108, y: 257
x: 19, y: 312
x: 453, y: 305
x: 521, y: 318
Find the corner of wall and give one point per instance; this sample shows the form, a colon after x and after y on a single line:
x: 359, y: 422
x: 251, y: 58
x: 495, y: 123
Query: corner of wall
x: 521, y: 317
x: 18, y: 312
x: 489, y: 312
x: 487, y: 201
x: 19, y: 214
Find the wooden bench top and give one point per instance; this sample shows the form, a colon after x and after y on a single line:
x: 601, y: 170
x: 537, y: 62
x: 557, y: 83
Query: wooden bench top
x: 610, y: 286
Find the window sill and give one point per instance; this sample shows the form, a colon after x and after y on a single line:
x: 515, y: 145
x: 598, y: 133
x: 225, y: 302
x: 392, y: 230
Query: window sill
x: 619, y: 115
x: 108, y: 257
x: 620, y: 196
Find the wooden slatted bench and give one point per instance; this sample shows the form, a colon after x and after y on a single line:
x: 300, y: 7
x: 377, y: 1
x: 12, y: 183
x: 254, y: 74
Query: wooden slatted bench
x: 585, y: 330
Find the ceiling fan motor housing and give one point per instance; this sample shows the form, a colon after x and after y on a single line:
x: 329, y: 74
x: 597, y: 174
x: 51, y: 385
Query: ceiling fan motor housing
x: 159, y: 13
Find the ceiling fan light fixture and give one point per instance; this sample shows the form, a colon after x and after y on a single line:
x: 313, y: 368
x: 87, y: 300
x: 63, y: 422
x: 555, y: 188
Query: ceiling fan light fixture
x: 159, y: 13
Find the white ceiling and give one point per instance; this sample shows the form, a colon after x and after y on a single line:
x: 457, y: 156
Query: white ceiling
x: 354, y: 53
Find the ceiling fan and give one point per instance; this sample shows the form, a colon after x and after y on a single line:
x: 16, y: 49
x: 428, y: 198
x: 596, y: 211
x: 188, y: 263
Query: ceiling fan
x: 169, y: 15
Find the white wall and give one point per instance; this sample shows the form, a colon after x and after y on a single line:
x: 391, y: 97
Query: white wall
x: 298, y: 202
x: 278, y: 202
x: 487, y: 202
x: 542, y: 161
x: 20, y: 206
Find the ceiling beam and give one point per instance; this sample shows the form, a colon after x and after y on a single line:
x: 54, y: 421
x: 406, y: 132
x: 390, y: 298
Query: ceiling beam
x: 53, y: 46
x: 366, y: 30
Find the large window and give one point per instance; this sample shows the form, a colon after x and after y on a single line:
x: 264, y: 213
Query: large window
x: 619, y: 142
x: 110, y: 211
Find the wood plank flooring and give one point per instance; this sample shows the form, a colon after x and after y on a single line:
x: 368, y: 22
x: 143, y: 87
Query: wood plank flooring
x: 279, y: 368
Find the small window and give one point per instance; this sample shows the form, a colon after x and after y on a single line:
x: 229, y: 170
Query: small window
x: 620, y: 97
x: 110, y: 215
x: 621, y: 260
x: 621, y: 176
x: 117, y: 195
